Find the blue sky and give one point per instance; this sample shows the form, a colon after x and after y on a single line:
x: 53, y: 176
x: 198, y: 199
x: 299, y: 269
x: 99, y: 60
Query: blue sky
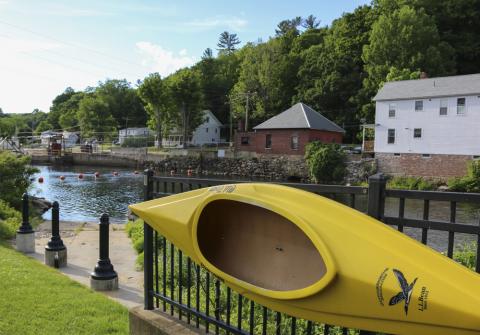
x: 46, y: 46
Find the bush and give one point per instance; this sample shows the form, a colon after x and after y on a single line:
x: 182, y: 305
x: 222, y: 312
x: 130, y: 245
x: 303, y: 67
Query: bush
x: 413, y: 183
x: 467, y: 255
x: 326, y: 162
x: 138, y: 142
x: 10, y: 220
x: 468, y: 183
x: 15, y: 174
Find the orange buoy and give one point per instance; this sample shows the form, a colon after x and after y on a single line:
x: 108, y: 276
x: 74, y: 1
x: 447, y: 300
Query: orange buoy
x: 172, y: 172
x: 97, y: 174
x: 62, y: 177
x: 40, y: 180
x: 80, y: 176
x: 115, y: 173
x: 135, y: 172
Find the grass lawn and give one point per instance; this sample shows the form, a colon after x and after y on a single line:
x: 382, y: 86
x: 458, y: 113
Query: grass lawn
x: 35, y: 299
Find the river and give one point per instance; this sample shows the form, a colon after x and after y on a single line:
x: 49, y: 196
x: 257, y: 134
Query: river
x: 86, y: 199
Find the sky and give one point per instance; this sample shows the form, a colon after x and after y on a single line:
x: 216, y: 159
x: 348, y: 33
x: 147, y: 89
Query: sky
x: 47, y: 46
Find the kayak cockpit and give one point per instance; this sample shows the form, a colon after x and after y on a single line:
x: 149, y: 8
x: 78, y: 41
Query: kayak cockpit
x: 258, y: 246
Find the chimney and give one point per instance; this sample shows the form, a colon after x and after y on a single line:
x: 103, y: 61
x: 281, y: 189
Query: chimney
x: 423, y: 75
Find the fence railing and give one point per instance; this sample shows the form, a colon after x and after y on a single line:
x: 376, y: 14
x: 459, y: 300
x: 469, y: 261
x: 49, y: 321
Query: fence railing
x: 175, y: 284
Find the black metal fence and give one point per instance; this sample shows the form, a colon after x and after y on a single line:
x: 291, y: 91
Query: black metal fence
x: 175, y: 284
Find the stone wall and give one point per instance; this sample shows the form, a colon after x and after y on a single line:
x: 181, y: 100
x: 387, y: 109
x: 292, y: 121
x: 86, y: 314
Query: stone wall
x: 435, y: 166
x: 292, y: 168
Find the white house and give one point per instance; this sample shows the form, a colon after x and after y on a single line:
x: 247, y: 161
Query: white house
x: 134, y: 132
x: 70, y: 138
x: 206, y: 133
x: 428, y: 127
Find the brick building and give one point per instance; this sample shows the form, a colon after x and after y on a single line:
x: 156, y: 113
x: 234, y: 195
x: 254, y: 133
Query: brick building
x: 428, y: 127
x: 288, y: 132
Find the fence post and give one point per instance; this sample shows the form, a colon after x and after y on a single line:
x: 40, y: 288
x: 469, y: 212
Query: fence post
x: 148, y: 245
x: 55, y: 250
x: 376, y: 195
x: 25, y: 241
x: 104, y: 277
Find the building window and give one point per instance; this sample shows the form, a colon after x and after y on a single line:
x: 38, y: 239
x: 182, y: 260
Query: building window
x: 418, y: 105
x: 294, y: 142
x: 391, y: 110
x: 417, y: 133
x: 208, y: 119
x: 206, y: 129
x: 268, y: 141
x: 391, y: 136
x: 460, y: 106
x: 216, y: 130
x: 396, y: 154
x: 443, y: 106
x: 244, y: 140
x: 425, y: 155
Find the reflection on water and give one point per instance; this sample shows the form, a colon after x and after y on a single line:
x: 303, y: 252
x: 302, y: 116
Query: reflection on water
x: 86, y: 199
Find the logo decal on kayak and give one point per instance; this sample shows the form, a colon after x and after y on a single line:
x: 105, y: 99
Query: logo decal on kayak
x: 222, y: 189
x: 405, y: 295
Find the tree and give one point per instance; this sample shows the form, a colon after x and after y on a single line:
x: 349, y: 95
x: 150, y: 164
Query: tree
x: 288, y: 26
x: 331, y: 73
x: 326, y: 162
x: 155, y: 94
x: 124, y: 103
x: 310, y: 22
x: 227, y: 42
x: 43, y: 126
x: 95, y: 118
x: 15, y: 177
x: 207, y: 54
x: 56, y: 110
x: 405, y: 39
x: 186, y: 93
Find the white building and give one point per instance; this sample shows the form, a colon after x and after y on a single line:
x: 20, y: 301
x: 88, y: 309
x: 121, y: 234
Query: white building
x: 134, y: 132
x: 428, y: 127
x: 206, y: 133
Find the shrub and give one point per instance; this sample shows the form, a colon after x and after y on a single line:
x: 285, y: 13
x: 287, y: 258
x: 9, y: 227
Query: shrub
x: 10, y: 220
x: 15, y: 174
x: 326, y: 162
x: 468, y: 183
x: 413, y: 183
x: 467, y: 255
x: 138, y: 142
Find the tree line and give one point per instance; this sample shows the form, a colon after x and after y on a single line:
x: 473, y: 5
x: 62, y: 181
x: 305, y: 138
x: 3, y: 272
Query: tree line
x: 335, y: 69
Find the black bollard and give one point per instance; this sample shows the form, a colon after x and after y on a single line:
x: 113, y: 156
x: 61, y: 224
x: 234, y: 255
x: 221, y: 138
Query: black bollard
x: 104, y: 277
x: 55, y: 250
x: 25, y: 241
x: 25, y: 228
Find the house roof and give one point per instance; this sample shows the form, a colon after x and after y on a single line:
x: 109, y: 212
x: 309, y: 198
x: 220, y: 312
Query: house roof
x: 430, y: 88
x: 300, y: 116
x: 214, y: 117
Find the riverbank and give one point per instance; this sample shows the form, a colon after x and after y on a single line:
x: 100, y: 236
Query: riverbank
x: 269, y: 167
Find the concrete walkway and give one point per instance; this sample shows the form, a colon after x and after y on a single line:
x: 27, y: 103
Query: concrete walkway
x: 81, y: 240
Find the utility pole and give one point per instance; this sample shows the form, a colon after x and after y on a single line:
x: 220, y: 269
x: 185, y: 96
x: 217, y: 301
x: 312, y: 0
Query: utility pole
x: 184, y: 113
x: 246, y: 111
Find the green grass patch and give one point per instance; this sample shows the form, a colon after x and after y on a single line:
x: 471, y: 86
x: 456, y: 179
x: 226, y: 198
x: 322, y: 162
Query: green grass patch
x: 37, y: 300
x: 413, y: 183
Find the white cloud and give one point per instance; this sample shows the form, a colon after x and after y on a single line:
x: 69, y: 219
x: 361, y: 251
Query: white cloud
x: 161, y: 60
x: 70, y: 11
x: 233, y: 23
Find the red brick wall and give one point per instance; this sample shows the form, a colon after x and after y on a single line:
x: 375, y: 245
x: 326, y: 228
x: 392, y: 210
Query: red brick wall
x: 281, y: 140
x: 437, y: 166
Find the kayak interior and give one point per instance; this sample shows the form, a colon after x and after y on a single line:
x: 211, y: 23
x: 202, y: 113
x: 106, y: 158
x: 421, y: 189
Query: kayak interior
x: 258, y: 246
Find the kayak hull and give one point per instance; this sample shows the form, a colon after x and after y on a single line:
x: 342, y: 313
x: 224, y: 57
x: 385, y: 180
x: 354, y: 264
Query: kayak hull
x: 347, y: 268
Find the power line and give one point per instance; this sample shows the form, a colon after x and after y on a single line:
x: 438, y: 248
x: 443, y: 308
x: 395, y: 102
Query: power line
x: 110, y: 57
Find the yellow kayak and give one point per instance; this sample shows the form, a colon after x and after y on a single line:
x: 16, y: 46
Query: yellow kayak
x: 314, y: 258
